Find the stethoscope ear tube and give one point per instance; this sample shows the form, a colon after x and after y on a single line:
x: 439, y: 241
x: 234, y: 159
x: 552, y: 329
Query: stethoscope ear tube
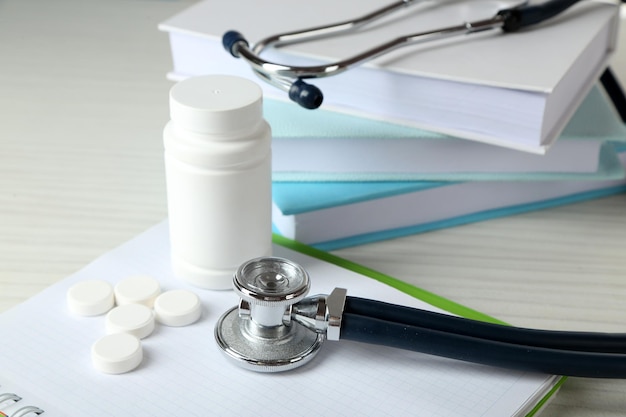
x: 487, y: 352
x: 527, y: 15
x: 469, y: 342
x: 308, y: 96
x: 551, y: 339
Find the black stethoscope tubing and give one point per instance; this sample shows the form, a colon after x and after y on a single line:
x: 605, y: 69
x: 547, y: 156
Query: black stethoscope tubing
x: 581, y: 354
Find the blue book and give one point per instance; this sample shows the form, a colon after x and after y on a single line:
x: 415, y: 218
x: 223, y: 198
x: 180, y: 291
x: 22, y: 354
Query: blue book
x: 335, y: 215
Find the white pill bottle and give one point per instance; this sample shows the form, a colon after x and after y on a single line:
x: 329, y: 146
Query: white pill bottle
x: 218, y: 174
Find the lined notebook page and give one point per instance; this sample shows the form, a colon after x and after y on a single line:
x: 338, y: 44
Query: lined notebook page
x: 46, y: 357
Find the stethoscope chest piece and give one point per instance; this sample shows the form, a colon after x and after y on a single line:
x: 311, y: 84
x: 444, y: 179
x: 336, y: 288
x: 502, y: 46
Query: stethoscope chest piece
x: 275, y: 328
x: 259, y: 334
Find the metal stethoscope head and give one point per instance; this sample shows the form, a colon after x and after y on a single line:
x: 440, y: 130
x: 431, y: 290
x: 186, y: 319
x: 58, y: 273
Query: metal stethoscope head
x: 291, y: 78
x: 275, y: 328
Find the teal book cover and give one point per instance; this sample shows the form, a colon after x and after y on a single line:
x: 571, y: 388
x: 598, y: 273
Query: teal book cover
x: 336, y: 215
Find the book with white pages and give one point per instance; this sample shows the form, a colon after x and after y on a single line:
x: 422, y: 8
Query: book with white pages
x: 330, y: 146
x: 46, y: 358
x: 516, y: 90
x: 331, y: 216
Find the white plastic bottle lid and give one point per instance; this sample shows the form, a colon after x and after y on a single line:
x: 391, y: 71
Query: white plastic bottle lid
x: 90, y: 297
x: 136, y: 319
x: 177, y: 308
x: 231, y: 102
x: 140, y: 289
x: 117, y: 353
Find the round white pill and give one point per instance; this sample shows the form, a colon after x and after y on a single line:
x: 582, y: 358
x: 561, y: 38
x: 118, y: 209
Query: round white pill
x: 140, y: 289
x: 177, y: 308
x: 90, y: 297
x: 136, y: 319
x: 117, y: 353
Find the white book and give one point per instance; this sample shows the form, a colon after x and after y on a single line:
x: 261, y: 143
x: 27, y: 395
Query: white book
x: 516, y: 90
x: 329, y: 146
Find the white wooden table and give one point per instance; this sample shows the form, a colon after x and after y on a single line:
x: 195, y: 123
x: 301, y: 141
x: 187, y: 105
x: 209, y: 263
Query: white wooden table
x: 83, y: 100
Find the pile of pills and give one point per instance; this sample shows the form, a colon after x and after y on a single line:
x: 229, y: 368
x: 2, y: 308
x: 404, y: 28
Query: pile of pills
x: 132, y: 308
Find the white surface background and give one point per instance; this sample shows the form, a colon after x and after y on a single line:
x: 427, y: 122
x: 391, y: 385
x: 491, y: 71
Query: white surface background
x: 83, y: 100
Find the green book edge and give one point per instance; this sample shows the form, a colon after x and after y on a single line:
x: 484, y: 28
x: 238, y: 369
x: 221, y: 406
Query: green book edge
x: 413, y: 291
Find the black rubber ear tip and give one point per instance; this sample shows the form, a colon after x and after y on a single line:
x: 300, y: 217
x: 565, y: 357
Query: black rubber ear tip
x: 306, y: 95
x: 232, y: 38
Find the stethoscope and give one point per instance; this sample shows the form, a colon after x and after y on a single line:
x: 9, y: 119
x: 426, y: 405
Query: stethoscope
x: 290, y: 78
x: 275, y: 328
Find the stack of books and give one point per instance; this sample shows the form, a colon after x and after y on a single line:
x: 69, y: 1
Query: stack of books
x: 444, y: 134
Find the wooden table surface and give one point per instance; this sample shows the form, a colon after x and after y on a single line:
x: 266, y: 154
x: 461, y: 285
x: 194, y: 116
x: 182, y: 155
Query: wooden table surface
x: 83, y: 103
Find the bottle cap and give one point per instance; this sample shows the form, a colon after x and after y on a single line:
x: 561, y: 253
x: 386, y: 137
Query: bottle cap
x: 215, y: 103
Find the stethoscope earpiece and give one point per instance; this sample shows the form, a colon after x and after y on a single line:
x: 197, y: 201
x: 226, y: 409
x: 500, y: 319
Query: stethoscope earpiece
x: 306, y: 95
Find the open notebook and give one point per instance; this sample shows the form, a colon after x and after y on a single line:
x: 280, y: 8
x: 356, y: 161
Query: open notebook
x: 45, y: 357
